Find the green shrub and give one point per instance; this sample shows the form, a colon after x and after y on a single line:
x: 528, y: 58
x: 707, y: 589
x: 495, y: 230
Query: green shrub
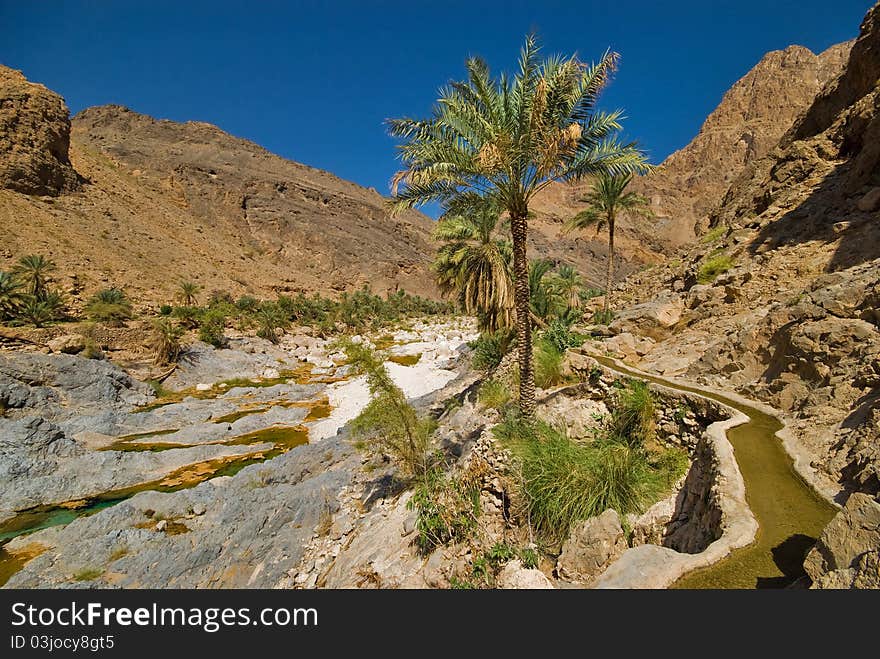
x: 11, y: 296
x: 632, y: 420
x: 548, y: 364
x: 92, y: 350
x: 110, y: 306
x: 714, y: 265
x: 211, y: 328
x: 494, y: 394
x: 220, y: 298
x: 559, y: 333
x: 446, y: 508
x: 602, y: 317
x: 712, y: 235
x: 389, y: 421
x: 587, y: 294
x: 247, y: 303
x: 189, y: 317
x: 565, y: 482
x: 489, y: 348
x: 165, y: 310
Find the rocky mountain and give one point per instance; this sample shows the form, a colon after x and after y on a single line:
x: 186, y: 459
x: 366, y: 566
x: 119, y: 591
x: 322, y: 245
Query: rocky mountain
x: 162, y: 201
x: 784, y: 305
x: 751, y: 118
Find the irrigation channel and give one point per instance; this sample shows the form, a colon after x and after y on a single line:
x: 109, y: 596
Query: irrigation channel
x: 790, y: 513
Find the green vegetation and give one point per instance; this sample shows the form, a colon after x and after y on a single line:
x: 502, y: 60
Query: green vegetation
x: 566, y: 481
x: 715, y: 264
x: 211, y: 327
x: 490, y: 348
x: 548, y: 364
x: 271, y: 319
x: 389, y: 422
x: 473, y: 264
x: 494, y: 394
x: 559, y: 334
x: 632, y: 421
x: 712, y: 235
x: 110, y: 306
x: 188, y: 292
x: 11, y: 296
x: 505, y: 139
x: 25, y: 293
x: 606, y: 199
x: 447, y: 509
x: 164, y: 340
x: 87, y: 574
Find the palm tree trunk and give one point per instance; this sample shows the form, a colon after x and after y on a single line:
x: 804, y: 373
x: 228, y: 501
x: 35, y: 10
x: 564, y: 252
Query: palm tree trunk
x: 519, y: 232
x: 609, y: 277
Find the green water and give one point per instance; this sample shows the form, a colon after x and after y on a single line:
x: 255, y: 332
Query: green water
x: 790, y: 514
x: 405, y: 360
x: 43, y: 517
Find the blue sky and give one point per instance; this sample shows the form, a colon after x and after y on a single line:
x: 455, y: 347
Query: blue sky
x: 313, y: 81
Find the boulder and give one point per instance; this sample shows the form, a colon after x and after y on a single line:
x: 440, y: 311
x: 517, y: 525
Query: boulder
x: 628, y: 347
x: 515, y: 576
x: 846, y: 553
x: 654, y: 318
x: 70, y: 344
x: 592, y: 546
x: 578, y: 365
x: 870, y: 202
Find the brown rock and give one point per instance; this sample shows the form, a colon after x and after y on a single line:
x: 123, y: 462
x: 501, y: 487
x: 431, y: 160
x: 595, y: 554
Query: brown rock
x: 592, y: 546
x: 34, y: 138
x: 846, y: 541
x: 871, y: 201
x: 515, y: 576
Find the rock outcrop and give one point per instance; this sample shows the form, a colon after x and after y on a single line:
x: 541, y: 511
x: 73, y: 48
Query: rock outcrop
x: 592, y: 547
x: 848, y: 553
x: 34, y: 138
x: 748, y: 122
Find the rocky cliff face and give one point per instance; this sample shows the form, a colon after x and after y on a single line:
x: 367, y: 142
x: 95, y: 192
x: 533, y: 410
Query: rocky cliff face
x: 34, y: 138
x: 166, y: 201
x: 751, y: 118
x: 783, y: 305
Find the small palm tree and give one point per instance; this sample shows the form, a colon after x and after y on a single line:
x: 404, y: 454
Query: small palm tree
x: 568, y: 285
x: 508, y: 138
x: 187, y: 293
x: 270, y: 319
x: 473, y: 263
x: 606, y: 199
x: 164, y: 341
x: 11, y: 296
x: 110, y: 305
x: 543, y: 298
x: 34, y: 271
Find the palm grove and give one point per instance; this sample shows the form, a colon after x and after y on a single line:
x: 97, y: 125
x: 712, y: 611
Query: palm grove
x: 492, y: 144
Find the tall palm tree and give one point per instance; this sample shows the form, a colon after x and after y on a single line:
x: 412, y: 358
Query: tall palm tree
x: 568, y: 283
x: 605, y: 200
x: 473, y: 263
x: 34, y: 271
x: 508, y: 138
x: 187, y: 293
